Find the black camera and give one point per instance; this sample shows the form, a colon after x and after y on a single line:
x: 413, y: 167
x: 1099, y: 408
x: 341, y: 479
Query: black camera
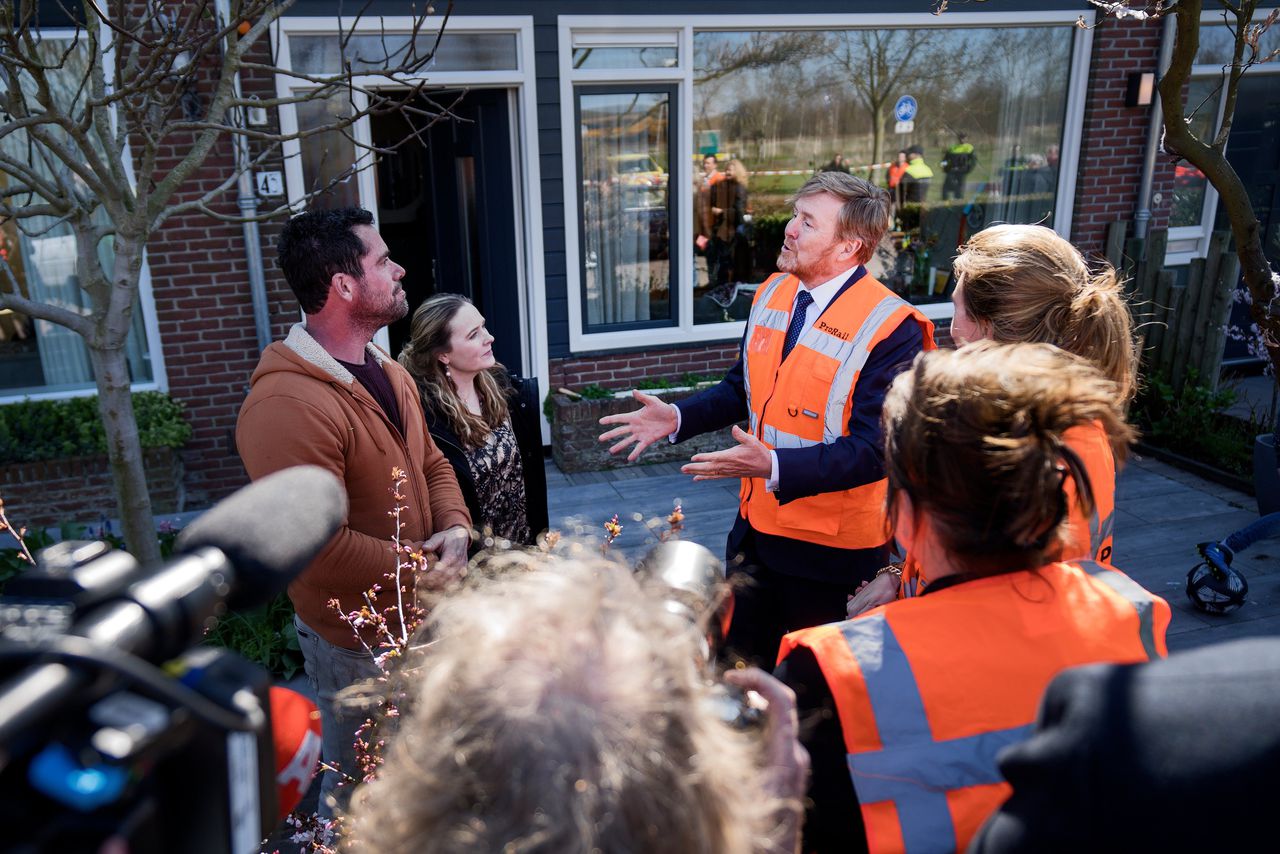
x: 115, y: 726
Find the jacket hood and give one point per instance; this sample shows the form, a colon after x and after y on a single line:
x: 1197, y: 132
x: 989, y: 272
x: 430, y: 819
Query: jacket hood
x: 299, y: 353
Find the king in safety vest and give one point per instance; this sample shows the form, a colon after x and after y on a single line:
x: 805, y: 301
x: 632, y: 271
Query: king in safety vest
x: 807, y: 401
x: 929, y: 690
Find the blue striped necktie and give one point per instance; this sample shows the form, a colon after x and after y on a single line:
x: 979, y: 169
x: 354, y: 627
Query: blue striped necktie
x: 803, y: 300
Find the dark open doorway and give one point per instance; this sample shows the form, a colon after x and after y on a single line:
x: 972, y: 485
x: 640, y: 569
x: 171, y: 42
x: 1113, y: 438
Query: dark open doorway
x: 447, y: 211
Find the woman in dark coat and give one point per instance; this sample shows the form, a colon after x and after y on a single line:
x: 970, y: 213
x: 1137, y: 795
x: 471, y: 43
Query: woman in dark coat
x: 484, y: 420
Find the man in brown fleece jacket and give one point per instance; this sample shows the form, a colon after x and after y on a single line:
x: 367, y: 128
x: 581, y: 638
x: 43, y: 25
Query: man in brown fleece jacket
x: 327, y: 396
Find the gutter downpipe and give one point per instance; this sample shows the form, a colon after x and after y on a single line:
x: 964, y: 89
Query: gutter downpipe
x: 247, y: 201
x: 1142, y: 218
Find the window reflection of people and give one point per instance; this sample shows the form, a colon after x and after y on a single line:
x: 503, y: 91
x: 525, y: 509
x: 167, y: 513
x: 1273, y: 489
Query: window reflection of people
x: 704, y: 219
x: 908, y: 705
x: 957, y: 163
x: 1014, y: 168
x: 917, y: 177
x: 728, y: 206
x: 835, y: 164
x: 896, y: 170
x: 484, y: 420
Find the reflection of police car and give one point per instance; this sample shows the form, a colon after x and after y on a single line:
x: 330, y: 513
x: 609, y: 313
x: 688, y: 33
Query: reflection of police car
x: 637, y: 170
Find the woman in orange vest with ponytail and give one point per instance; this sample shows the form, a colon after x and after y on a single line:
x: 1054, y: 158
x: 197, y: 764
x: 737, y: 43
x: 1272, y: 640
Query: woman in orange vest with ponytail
x: 907, y: 705
x: 1025, y: 283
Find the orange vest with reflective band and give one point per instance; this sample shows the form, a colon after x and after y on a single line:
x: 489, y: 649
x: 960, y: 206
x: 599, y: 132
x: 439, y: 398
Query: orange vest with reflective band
x: 806, y: 400
x: 929, y: 690
x: 1087, y: 537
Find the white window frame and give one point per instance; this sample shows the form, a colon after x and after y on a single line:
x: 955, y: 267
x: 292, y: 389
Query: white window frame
x: 630, y: 31
x: 146, y: 297
x: 520, y: 81
x: 1192, y: 241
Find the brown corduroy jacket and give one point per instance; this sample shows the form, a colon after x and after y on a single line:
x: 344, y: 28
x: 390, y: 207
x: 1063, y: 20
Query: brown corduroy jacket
x: 305, y: 408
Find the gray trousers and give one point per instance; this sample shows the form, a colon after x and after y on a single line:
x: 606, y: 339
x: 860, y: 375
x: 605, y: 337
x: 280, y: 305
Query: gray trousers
x: 330, y: 669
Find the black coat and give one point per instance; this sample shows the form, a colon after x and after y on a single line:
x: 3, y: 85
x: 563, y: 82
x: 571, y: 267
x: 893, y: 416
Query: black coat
x: 527, y: 426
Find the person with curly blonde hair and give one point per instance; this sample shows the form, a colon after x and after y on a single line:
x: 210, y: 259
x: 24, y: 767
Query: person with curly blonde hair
x: 561, y: 707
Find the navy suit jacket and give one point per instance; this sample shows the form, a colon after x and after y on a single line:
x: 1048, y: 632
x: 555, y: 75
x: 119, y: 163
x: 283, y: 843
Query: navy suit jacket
x: 849, y: 461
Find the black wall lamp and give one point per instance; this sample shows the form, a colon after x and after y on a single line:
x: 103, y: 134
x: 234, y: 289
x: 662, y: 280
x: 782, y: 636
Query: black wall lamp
x: 1142, y: 89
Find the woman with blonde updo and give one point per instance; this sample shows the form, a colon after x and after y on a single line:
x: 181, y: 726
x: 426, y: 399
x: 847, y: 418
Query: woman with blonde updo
x: 909, y: 703
x: 1025, y: 283
x: 484, y: 420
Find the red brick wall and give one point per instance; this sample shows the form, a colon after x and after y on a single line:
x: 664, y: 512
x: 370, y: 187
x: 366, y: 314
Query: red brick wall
x: 80, y: 489
x: 623, y: 370
x: 200, y: 282
x: 1114, y: 136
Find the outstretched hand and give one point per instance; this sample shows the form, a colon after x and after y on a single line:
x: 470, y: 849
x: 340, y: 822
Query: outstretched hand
x: 653, y: 421
x: 749, y: 458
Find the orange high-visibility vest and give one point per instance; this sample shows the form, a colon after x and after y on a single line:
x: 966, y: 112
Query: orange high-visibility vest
x: 807, y: 401
x: 1091, y: 536
x: 1088, y: 537
x: 929, y: 690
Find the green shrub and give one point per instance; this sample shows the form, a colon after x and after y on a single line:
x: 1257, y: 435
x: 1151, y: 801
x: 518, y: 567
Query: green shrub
x: 265, y: 635
x: 1191, y: 422
x: 595, y: 392
x: 52, y: 429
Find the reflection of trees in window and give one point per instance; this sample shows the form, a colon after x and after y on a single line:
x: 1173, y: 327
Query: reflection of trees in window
x: 883, y: 65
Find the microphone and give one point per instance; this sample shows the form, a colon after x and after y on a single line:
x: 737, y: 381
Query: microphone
x: 241, y: 552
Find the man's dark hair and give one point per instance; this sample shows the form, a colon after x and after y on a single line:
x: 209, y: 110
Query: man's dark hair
x: 915, y: 149
x: 315, y: 245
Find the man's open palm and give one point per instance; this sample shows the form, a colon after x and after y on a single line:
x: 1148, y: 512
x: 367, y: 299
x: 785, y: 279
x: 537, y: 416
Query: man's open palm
x: 653, y: 421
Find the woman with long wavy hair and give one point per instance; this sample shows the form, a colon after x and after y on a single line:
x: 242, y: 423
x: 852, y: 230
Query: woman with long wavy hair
x: 484, y: 420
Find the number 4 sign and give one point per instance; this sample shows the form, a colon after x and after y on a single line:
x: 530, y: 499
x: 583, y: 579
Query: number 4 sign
x: 269, y: 183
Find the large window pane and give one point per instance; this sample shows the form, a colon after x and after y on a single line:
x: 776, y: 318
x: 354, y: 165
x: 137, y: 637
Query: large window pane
x: 991, y: 105
x: 42, y: 258
x: 624, y: 158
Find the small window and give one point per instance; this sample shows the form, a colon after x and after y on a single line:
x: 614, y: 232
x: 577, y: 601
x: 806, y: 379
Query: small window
x: 327, y: 157
x: 456, y: 52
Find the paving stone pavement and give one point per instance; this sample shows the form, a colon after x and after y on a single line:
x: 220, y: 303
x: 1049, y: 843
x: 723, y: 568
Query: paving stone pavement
x: 1161, y: 514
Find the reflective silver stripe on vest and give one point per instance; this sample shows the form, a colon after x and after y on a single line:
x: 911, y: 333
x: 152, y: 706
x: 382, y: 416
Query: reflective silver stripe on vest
x: 852, y: 356
x: 841, y: 387
x: 911, y: 769
x: 1100, y: 530
x: 1133, y: 593
x: 770, y: 318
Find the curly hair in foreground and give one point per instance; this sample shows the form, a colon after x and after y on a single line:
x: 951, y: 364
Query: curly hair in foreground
x: 562, y: 708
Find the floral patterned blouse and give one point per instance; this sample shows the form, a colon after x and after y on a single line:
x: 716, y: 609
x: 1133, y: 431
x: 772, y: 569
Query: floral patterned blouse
x: 499, y: 478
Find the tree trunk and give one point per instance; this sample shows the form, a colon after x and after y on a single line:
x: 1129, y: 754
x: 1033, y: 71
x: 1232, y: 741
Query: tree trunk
x: 124, y: 450
x: 877, y: 141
